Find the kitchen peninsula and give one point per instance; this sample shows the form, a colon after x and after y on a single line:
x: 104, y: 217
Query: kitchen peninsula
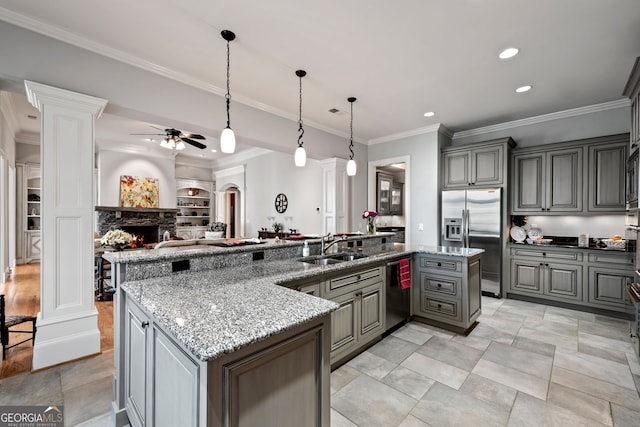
x: 227, y: 341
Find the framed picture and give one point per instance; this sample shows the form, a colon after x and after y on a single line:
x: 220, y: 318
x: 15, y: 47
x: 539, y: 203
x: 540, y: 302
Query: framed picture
x: 137, y: 192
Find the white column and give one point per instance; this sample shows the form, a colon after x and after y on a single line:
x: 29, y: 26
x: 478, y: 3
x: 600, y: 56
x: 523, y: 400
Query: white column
x: 335, y: 192
x: 68, y: 321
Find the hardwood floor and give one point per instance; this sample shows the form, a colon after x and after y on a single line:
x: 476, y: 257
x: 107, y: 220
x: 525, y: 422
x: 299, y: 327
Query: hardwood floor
x: 22, y: 295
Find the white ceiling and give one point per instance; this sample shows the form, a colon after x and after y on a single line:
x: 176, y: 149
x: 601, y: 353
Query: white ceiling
x: 400, y: 59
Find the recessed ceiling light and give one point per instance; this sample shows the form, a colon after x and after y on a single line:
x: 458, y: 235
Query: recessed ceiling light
x: 149, y: 139
x: 429, y: 114
x: 509, y: 52
x: 213, y: 150
x: 525, y: 88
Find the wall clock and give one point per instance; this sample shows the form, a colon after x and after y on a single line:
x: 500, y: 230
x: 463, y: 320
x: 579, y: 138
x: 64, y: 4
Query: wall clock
x: 281, y: 203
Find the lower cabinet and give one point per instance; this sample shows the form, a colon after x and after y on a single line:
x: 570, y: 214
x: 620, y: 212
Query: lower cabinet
x: 282, y: 380
x: 448, y: 291
x: 33, y: 244
x: 587, y: 278
x: 162, y: 382
x: 360, y: 317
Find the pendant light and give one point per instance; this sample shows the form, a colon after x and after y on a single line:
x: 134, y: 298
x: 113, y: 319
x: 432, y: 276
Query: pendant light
x: 300, y: 156
x: 228, y: 138
x: 351, y: 164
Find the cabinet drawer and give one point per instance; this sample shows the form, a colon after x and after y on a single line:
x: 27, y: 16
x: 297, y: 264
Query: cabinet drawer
x: 342, y: 284
x: 621, y: 259
x: 441, y: 264
x: 445, y: 285
x: 440, y: 307
x: 547, y: 254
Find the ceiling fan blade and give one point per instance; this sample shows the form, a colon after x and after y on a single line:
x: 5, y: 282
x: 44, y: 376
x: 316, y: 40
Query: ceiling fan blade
x: 191, y: 135
x: 148, y: 134
x: 194, y: 143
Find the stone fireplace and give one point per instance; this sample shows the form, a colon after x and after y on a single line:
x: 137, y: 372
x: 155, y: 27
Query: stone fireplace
x: 150, y: 223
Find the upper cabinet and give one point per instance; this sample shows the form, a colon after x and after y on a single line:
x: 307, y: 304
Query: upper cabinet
x: 632, y: 91
x: 484, y: 165
x: 578, y: 177
x: 384, y: 193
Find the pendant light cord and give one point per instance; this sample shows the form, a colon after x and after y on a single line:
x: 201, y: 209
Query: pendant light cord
x: 228, y: 95
x: 351, y: 127
x: 300, y: 129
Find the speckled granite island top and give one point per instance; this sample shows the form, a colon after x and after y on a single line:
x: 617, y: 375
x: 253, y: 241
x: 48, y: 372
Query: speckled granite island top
x: 220, y: 311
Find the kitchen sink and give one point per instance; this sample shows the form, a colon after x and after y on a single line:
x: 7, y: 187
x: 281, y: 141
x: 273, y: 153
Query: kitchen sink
x: 332, y: 259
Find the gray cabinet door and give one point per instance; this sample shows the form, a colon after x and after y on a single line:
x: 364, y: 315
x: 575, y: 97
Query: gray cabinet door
x: 564, y: 180
x: 607, y: 287
x: 607, y: 177
x: 486, y: 166
x: 136, y: 362
x: 310, y: 289
x: 528, y: 183
x: 457, y: 169
x: 526, y: 276
x: 344, y: 328
x: 175, y: 384
x: 372, y: 311
x: 563, y: 281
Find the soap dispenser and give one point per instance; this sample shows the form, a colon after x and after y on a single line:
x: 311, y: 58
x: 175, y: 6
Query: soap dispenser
x: 305, y: 249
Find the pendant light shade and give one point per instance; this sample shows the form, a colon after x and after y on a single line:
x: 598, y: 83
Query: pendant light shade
x: 228, y: 138
x: 300, y: 155
x: 351, y: 164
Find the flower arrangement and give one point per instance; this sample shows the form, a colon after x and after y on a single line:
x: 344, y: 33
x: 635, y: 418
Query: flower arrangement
x: 370, y: 216
x: 117, y: 239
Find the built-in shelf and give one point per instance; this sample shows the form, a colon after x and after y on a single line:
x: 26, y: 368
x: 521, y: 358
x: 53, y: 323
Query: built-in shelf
x: 193, y: 196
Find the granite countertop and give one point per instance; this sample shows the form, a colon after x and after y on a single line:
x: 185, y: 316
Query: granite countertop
x: 566, y: 246
x: 219, y: 311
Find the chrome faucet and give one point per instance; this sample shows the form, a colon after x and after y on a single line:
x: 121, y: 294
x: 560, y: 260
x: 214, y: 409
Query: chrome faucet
x: 332, y: 242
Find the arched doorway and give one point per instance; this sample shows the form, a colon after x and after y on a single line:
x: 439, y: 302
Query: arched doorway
x: 232, y: 211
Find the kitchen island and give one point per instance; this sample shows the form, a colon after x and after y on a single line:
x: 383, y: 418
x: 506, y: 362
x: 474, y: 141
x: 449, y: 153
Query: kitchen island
x: 226, y: 341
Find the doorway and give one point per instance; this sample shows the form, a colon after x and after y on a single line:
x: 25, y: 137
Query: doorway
x: 232, y: 211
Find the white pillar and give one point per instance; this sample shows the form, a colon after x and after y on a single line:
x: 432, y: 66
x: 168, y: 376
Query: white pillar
x: 68, y: 321
x: 336, y: 195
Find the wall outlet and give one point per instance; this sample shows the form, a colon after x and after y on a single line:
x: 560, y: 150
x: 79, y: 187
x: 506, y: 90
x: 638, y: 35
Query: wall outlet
x: 421, y: 227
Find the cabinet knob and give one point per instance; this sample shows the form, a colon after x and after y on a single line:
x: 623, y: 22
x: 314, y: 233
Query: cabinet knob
x: 439, y: 285
x: 439, y: 264
x: 546, y: 265
x: 544, y: 254
x: 358, y: 277
x: 145, y: 324
x: 358, y: 294
x: 542, y: 209
x: 439, y: 306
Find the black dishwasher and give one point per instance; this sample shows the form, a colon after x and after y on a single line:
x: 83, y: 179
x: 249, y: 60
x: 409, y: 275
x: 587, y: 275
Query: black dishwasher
x: 398, y: 300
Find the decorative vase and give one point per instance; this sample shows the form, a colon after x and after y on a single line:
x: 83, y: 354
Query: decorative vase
x: 371, y: 226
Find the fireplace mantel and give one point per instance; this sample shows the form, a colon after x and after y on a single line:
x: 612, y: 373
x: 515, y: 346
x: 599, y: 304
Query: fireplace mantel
x: 148, y: 210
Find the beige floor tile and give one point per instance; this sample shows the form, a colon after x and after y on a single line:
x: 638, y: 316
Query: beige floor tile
x: 39, y: 388
x: 343, y: 376
x: 605, y: 342
x: 444, y: 406
x: 451, y: 352
x: 560, y: 318
x: 605, y: 353
x: 372, y: 365
x: 595, y: 367
x: 436, y: 370
x: 503, y: 324
x: 413, y: 333
x: 601, y: 389
x: 393, y: 349
x: 581, y: 403
x: 339, y: 420
x: 87, y: 370
x: 412, y: 421
x: 549, y: 338
x: 529, y: 411
x: 613, y: 331
x: 513, y: 378
x: 558, y: 328
x: 477, y: 342
x: 87, y: 401
x: 485, y: 331
x: 624, y: 417
x: 634, y: 364
x: 534, y: 346
x: 409, y: 382
x: 522, y: 360
x: 575, y: 314
x: 489, y: 391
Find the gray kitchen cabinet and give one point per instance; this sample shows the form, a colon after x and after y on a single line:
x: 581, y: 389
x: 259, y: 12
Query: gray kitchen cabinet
x: 360, y: 317
x: 562, y: 280
x: 162, y: 382
x: 608, y: 275
x: 632, y: 91
x: 483, y: 166
x: 448, y: 293
x: 584, y: 177
x: 548, y: 181
x: 526, y: 276
x: 384, y: 183
x: 607, y: 177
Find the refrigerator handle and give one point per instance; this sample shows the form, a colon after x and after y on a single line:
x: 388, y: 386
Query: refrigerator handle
x: 466, y: 228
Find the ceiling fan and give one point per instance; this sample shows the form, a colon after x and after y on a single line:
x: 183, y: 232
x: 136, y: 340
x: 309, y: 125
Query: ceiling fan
x: 175, y: 139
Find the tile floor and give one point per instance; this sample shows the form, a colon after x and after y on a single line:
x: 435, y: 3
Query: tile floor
x: 523, y: 365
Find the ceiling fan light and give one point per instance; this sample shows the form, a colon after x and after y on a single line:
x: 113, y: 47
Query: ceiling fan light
x: 351, y: 167
x: 180, y: 146
x: 227, y: 141
x: 164, y: 144
x: 300, y: 157
x: 171, y: 143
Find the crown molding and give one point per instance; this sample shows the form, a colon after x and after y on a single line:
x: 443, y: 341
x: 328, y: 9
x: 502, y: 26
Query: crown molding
x: 612, y: 105
x: 135, y: 61
x: 6, y: 107
x: 236, y: 170
x: 438, y: 127
x: 31, y: 138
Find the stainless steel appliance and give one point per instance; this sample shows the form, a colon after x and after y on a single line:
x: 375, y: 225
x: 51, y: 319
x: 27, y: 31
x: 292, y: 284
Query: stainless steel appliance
x: 472, y: 219
x: 398, y: 300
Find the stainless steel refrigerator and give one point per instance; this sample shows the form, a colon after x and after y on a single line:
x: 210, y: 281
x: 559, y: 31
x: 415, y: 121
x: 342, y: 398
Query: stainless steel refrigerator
x: 472, y: 219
